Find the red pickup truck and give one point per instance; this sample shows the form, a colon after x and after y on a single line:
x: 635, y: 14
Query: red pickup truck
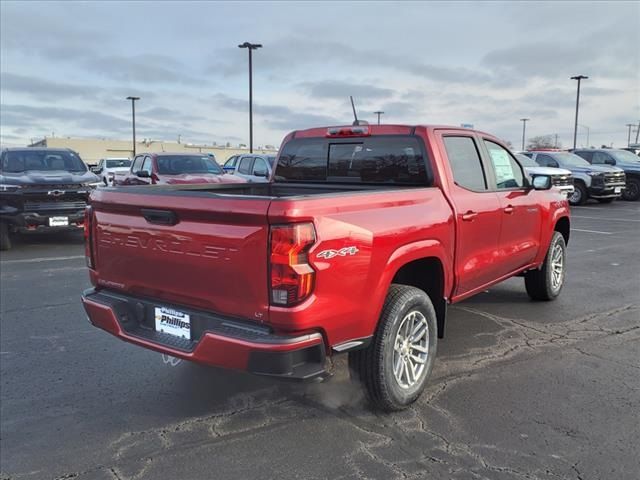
x: 172, y: 168
x: 361, y: 240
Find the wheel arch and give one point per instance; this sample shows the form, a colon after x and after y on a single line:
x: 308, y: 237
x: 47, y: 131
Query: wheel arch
x: 425, y: 265
x: 427, y: 274
x: 563, y: 225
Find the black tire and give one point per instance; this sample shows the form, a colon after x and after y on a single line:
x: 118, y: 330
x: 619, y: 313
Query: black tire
x: 605, y: 200
x: 540, y: 284
x: 580, y: 194
x: 632, y: 190
x: 373, y: 366
x: 5, y: 239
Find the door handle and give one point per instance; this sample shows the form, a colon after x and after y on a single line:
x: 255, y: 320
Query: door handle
x: 469, y: 216
x: 509, y: 209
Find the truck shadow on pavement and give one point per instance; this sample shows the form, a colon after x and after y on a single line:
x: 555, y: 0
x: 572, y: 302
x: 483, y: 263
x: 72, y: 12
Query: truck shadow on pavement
x: 221, y: 408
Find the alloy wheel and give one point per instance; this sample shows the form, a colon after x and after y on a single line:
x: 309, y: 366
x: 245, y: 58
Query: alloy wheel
x: 411, y: 349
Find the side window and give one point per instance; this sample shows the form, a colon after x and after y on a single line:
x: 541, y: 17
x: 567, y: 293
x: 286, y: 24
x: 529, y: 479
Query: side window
x: 245, y: 165
x: 146, y: 166
x: 465, y: 163
x: 600, y: 158
x: 137, y: 164
x: 507, y: 170
x: 259, y: 166
x: 588, y: 156
x: 546, y: 161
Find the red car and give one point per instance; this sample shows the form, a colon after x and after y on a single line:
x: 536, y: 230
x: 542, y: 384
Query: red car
x: 359, y: 243
x: 173, y: 168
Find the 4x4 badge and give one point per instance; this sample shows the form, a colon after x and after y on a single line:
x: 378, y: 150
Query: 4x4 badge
x: 343, y: 252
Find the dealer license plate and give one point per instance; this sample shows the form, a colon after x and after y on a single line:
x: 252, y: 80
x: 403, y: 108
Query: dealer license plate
x: 617, y: 189
x: 58, y: 221
x: 173, y: 322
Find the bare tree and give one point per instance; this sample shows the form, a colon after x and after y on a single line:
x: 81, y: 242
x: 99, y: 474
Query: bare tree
x: 543, y: 141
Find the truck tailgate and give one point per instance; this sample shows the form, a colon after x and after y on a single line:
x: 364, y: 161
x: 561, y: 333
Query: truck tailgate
x: 158, y: 245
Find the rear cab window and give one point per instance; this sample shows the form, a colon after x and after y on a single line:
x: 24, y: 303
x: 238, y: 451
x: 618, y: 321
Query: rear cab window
x: 382, y: 159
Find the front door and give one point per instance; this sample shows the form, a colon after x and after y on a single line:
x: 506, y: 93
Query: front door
x: 477, y: 213
x: 521, y: 212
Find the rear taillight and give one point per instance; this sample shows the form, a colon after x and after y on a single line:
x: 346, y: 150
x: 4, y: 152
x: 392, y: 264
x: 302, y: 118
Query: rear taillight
x: 292, y: 277
x: 88, y: 226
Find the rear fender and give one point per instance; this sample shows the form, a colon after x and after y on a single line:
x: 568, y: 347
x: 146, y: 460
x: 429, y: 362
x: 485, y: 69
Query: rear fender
x: 406, y: 254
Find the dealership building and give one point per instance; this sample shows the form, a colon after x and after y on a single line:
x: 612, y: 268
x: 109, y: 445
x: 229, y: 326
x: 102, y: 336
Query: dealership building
x: 91, y: 150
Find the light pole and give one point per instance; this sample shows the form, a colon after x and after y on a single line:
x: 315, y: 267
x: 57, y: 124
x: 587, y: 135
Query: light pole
x: 588, y: 130
x: 579, y: 78
x: 133, y: 118
x: 630, y: 125
x: 379, y: 112
x: 250, y: 47
x: 524, y: 127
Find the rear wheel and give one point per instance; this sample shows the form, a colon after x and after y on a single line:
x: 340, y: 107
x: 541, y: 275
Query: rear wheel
x: 632, y: 189
x: 546, y: 283
x: 394, y: 369
x: 579, y: 195
x: 606, y: 200
x: 5, y: 240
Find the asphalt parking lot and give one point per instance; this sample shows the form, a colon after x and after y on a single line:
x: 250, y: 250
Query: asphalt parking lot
x: 520, y: 389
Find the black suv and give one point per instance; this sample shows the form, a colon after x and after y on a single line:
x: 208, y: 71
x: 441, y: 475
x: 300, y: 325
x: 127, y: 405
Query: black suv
x: 42, y: 188
x: 623, y: 159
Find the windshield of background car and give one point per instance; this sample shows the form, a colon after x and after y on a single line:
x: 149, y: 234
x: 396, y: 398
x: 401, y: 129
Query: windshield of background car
x: 118, y: 163
x: 526, y: 161
x: 41, y: 160
x: 571, y: 159
x: 624, y: 156
x: 382, y: 159
x: 179, y: 164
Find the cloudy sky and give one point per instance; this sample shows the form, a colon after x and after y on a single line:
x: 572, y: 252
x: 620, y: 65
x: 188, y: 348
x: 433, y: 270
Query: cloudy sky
x: 67, y: 67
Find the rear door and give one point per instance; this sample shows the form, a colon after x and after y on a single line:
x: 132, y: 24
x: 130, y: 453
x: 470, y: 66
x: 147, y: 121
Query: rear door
x: 477, y: 212
x: 193, y: 249
x: 521, y: 213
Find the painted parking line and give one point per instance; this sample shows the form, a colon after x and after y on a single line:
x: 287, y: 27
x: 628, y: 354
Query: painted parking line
x: 608, y: 209
x: 591, y: 231
x: 42, y: 259
x: 607, y: 218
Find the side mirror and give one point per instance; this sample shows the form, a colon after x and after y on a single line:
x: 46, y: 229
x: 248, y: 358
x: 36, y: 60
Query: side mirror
x: 96, y: 170
x: 143, y: 174
x: 541, y: 182
x: 610, y: 161
x: 261, y: 173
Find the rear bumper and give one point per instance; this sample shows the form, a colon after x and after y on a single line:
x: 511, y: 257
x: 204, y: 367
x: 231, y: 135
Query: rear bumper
x: 216, y: 341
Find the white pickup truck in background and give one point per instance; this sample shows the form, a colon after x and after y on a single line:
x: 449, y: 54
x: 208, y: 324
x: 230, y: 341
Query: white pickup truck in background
x: 107, y: 168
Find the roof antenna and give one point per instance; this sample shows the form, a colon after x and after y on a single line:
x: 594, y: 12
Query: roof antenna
x: 355, y: 115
